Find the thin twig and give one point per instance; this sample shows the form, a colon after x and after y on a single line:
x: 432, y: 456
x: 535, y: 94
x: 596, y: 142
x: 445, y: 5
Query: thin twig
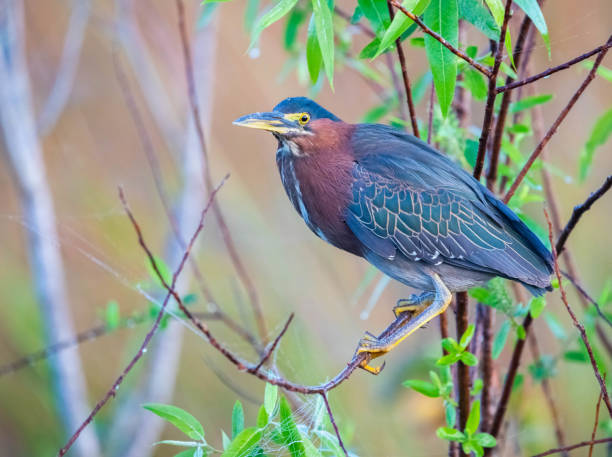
x: 484, y: 70
x: 487, y: 122
x: 402, y: 60
x: 573, y: 446
x: 552, y: 130
x: 582, y: 291
x: 579, y: 211
x: 241, y: 270
x: 272, y: 346
x: 141, y: 351
x: 333, y: 422
x: 595, y: 423
x: 463, y: 371
x: 552, y: 70
x: 577, y: 324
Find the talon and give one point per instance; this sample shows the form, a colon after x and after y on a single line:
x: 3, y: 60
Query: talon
x: 370, y: 369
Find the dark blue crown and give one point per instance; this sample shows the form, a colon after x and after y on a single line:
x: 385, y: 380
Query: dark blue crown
x: 304, y: 104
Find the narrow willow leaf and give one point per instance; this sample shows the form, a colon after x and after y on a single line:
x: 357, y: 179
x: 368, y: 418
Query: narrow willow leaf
x: 244, y: 443
x: 325, y: 33
x: 467, y: 336
x: 112, y: 316
x: 376, y: 12
x: 178, y: 417
x: 532, y: 9
x: 370, y: 49
x: 450, y: 434
x: 314, y: 59
x: 473, y: 419
x: 442, y: 16
x: 294, y: 21
x: 485, y: 440
x: 474, y: 82
x: 206, y: 15
x: 536, y: 306
x: 497, y: 10
x: 262, y: 417
x: 164, y: 271
x: 270, y: 397
x: 250, y: 14
x: 500, y: 339
x: 278, y: 11
x: 599, y: 135
x: 529, y: 102
x: 289, y: 430
x: 480, y: 17
x: 401, y: 23
x: 423, y: 387
x: 237, y: 419
x: 309, y: 449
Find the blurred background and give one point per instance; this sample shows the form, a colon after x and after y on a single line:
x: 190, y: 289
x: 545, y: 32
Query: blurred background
x: 82, y: 130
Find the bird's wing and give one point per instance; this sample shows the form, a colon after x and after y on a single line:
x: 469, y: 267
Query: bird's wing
x: 408, y: 197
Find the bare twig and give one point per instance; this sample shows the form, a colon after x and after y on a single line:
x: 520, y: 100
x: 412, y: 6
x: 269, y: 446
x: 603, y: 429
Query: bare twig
x: 66, y: 72
x: 582, y: 291
x: 141, y: 351
x: 463, y: 371
x: 579, y: 211
x: 402, y: 60
x: 225, y: 233
x: 484, y: 70
x: 487, y: 122
x: 573, y: 446
x: 577, y: 324
x: 550, y: 71
x: 595, y: 423
x: 333, y: 422
x: 486, y: 365
x: 552, y: 130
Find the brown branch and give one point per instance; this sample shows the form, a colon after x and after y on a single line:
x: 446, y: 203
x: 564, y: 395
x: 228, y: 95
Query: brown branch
x: 333, y: 422
x: 487, y: 122
x: 553, y: 129
x: 577, y: 324
x: 272, y: 346
x: 141, y: 351
x: 463, y: 371
x: 582, y: 291
x: 595, y: 423
x: 225, y: 233
x: 484, y: 70
x: 579, y: 211
x: 573, y: 446
x: 402, y: 60
x: 505, y: 104
x: 486, y: 365
x: 552, y: 70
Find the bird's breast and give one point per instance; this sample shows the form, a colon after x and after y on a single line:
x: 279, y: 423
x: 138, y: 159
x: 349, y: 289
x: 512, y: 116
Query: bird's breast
x: 319, y: 190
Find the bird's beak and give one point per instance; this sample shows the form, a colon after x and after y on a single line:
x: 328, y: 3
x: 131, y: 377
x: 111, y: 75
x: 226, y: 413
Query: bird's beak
x: 271, y: 121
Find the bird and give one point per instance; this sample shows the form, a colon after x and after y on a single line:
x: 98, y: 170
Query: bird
x: 386, y: 196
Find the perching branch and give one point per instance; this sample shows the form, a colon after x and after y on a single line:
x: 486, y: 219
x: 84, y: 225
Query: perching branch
x: 595, y: 424
x: 552, y: 70
x: 579, y: 211
x: 484, y: 70
x: 573, y: 446
x: 553, y: 129
x: 145, y: 343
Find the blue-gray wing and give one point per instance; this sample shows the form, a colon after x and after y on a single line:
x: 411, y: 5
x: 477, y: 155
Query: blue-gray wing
x: 435, y: 225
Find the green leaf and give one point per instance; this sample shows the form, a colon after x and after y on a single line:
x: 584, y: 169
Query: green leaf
x: 602, y: 71
x: 450, y: 434
x: 237, y: 419
x: 474, y: 82
x: 450, y: 345
x: 497, y: 10
x: 473, y: 419
x: 469, y: 359
x: 196, y: 452
x: 401, y: 23
x: 278, y: 11
x: 479, y: 16
x: 377, y: 13
x: 325, y: 33
x: 270, y: 397
x: 529, y: 102
x: 520, y: 332
x: 478, y: 385
x: 599, y: 135
x: 485, y: 440
x: 294, y: 21
x: 423, y: 387
x: 532, y: 9
x: 555, y: 327
x: 244, y: 443
x: 450, y: 414
x: 164, y: 271
x: 225, y: 440
x: 576, y: 356
x: 250, y: 14
x: 418, y: 42
x: 500, y: 339
x: 448, y: 359
x: 178, y: 417
x: 370, y: 49
x: 314, y: 59
x: 467, y: 336
x: 536, y: 306
x: 207, y: 14
x: 309, y: 449
x: 289, y: 430
x: 262, y: 417
x: 442, y: 17
x: 112, y: 317
x: 471, y: 153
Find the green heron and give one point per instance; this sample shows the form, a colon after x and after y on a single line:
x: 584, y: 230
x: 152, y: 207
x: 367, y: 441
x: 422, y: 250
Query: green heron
x: 386, y: 196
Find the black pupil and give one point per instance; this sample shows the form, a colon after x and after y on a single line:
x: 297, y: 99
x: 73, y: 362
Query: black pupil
x: 305, y: 118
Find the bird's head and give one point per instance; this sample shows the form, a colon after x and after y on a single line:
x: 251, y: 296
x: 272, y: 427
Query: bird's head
x: 297, y: 123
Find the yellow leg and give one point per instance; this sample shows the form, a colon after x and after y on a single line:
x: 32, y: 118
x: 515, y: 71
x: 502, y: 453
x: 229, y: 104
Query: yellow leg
x: 432, y: 305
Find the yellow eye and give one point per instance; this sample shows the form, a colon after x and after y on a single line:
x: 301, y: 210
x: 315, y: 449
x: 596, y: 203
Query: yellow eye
x: 304, y: 118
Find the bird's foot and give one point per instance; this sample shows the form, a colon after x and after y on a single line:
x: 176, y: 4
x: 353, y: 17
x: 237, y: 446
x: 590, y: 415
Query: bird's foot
x: 373, y: 347
x: 414, y: 305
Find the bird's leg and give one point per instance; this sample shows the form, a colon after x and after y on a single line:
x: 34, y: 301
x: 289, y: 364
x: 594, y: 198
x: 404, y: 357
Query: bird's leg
x: 413, y: 305
x: 432, y: 305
